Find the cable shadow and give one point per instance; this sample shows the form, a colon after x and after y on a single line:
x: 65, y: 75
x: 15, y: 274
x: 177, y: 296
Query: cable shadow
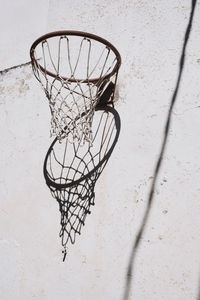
x: 198, y: 292
x: 137, y: 241
x: 71, y: 171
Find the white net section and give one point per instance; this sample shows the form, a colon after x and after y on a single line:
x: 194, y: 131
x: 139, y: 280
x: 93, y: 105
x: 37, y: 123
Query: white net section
x: 74, y: 71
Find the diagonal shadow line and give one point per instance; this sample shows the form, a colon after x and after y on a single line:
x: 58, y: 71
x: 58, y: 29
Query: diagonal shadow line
x: 158, y: 165
x: 198, y: 292
x: 3, y: 72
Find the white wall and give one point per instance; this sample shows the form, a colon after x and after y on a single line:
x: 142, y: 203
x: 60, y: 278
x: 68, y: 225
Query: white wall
x: 149, y: 36
x: 21, y: 22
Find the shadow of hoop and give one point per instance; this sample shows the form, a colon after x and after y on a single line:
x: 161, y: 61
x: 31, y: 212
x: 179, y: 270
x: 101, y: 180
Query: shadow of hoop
x: 71, y: 171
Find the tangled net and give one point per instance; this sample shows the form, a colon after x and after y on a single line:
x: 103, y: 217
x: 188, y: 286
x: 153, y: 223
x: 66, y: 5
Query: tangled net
x: 71, y: 172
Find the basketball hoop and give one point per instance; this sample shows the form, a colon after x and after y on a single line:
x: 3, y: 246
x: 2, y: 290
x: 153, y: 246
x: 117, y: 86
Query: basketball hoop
x: 78, y: 73
x: 75, y: 70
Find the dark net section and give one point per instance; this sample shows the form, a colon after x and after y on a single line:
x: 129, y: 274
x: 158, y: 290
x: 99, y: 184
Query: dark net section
x: 72, y: 170
x: 74, y: 71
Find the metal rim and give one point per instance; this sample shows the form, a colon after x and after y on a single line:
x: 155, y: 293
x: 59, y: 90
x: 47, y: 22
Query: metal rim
x: 75, y: 33
x: 51, y: 183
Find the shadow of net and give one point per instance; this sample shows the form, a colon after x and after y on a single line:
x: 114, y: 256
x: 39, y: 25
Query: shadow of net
x: 71, y: 171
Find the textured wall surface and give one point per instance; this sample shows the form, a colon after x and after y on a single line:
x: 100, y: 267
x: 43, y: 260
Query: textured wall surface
x: 149, y: 35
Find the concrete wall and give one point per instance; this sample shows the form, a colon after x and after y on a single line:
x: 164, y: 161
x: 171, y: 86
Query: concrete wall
x: 21, y: 22
x: 149, y: 36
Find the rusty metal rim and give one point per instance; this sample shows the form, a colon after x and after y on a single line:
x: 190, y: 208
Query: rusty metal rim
x: 75, y: 33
